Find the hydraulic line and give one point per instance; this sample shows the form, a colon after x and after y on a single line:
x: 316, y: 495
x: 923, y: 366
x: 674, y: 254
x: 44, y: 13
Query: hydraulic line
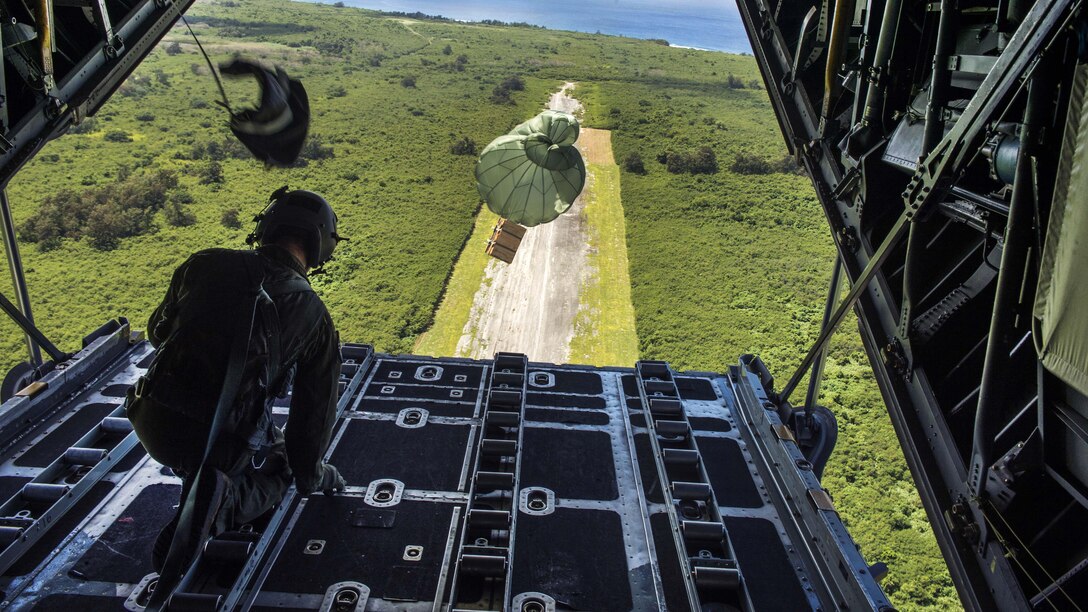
x: 844, y: 9
x: 941, y: 78
x: 874, y: 99
x: 1014, y: 258
x: 45, y: 39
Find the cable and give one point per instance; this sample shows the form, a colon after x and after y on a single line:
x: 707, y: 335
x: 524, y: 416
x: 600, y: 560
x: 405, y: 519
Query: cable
x: 225, y: 103
x: 1032, y: 556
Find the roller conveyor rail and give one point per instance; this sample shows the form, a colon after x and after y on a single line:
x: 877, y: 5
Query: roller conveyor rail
x: 710, y: 571
x: 488, y: 534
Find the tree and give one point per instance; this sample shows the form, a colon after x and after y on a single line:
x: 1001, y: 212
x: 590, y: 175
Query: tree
x: 230, y: 219
x: 117, y: 136
x: 501, y: 95
x: 212, y: 173
x: 513, y: 83
x: 177, y: 213
x: 746, y: 163
x: 633, y: 163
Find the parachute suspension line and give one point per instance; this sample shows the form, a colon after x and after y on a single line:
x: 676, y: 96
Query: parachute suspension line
x: 225, y: 103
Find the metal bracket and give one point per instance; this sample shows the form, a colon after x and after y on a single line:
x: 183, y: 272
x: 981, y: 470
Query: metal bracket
x: 346, y: 596
x: 536, y: 501
x: 412, y: 418
x: 384, y: 493
x: 533, y: 602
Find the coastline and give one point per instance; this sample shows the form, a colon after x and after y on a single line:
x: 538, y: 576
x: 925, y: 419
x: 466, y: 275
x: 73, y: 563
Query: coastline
x: 720, y: 32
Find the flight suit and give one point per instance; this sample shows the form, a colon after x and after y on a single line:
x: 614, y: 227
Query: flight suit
x: 172, y: 408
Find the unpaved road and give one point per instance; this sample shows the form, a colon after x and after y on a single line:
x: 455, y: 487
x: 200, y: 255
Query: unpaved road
x: 529, y: 306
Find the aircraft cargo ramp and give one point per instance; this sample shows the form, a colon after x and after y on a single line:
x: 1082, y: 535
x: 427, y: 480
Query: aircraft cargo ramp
x: 473, y: 485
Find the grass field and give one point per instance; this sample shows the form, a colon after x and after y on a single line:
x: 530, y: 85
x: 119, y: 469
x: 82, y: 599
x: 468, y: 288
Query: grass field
x: 442, y: 336
x: 605, y: 326
x: 720, y: 263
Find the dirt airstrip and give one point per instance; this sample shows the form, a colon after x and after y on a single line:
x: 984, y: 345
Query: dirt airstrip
x: 530, y: 306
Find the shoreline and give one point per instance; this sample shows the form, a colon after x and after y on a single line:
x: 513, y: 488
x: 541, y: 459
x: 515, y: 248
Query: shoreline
x: 424, y: 14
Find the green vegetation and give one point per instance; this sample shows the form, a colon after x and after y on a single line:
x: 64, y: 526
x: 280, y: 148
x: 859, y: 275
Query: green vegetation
x: 453, y: 313
x: 721, y: 262
x: 605, y: 327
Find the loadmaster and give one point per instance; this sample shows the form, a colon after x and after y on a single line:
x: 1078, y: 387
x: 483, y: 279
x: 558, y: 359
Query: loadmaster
x: 236, y: 329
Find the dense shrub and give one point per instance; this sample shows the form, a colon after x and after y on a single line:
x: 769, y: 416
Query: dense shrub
x: 230, y: 219
x: 501, y: 95
x: 104, y: 215
x: 513, y: 83
x: 337, y: 91
x: 633, y: 163
x: 87, y: 126
x: 447, y: 50
x: 408, y: 81
x: 211, y: 173
x: 145, y: 117
x: 464, y: 146
x: 117, y: 136
x: 701, y: 161
x: 176, y: 211
x: 734, y: 82
x: 746, y: 163
x: 173, y: 48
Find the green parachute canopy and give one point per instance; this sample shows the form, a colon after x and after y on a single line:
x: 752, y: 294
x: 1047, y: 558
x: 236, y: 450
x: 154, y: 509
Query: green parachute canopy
x: 533, y: 174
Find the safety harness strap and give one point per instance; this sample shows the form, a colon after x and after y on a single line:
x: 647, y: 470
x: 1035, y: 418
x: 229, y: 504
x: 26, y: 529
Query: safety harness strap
x: 202, y: 504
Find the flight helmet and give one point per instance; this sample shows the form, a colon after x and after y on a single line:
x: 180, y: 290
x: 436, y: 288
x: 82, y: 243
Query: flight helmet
x: 301, y: 213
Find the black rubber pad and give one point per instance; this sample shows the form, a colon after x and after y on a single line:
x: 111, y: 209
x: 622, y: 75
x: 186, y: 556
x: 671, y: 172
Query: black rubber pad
x: 695, y: 388
x: 373, y: 556
x: 676, y: 597
x: 65, y: 435
x: 453, y: 375
x: 648, y: 468
x: 562, y: 400
x: 575, y: 464
x: 570, y: 417
x: 420, y: 392
x: 570, y: 382
x: 760, y: 554
x: 135, y: 454
x: 729, y: 474
x: 709, y: 424
x: 449, y: 409
x: 428, y: 457
x: 75, y: 515
x: 117, y: 390
x: 146, y: 361
x: 10, y: 485
x: 123, y: 552
x: 575, y: 556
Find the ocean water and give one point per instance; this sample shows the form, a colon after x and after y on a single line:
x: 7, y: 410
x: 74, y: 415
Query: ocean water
x: 703, y: 24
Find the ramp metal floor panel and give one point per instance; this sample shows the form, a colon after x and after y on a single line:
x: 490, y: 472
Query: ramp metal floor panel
x: 433, y: 490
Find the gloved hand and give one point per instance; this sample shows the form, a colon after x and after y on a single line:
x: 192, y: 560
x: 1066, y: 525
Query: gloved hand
x: 331, y: 480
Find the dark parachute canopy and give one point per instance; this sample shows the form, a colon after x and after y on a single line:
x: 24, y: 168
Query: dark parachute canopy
x: 276, y: 130
x: 533, y: 174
